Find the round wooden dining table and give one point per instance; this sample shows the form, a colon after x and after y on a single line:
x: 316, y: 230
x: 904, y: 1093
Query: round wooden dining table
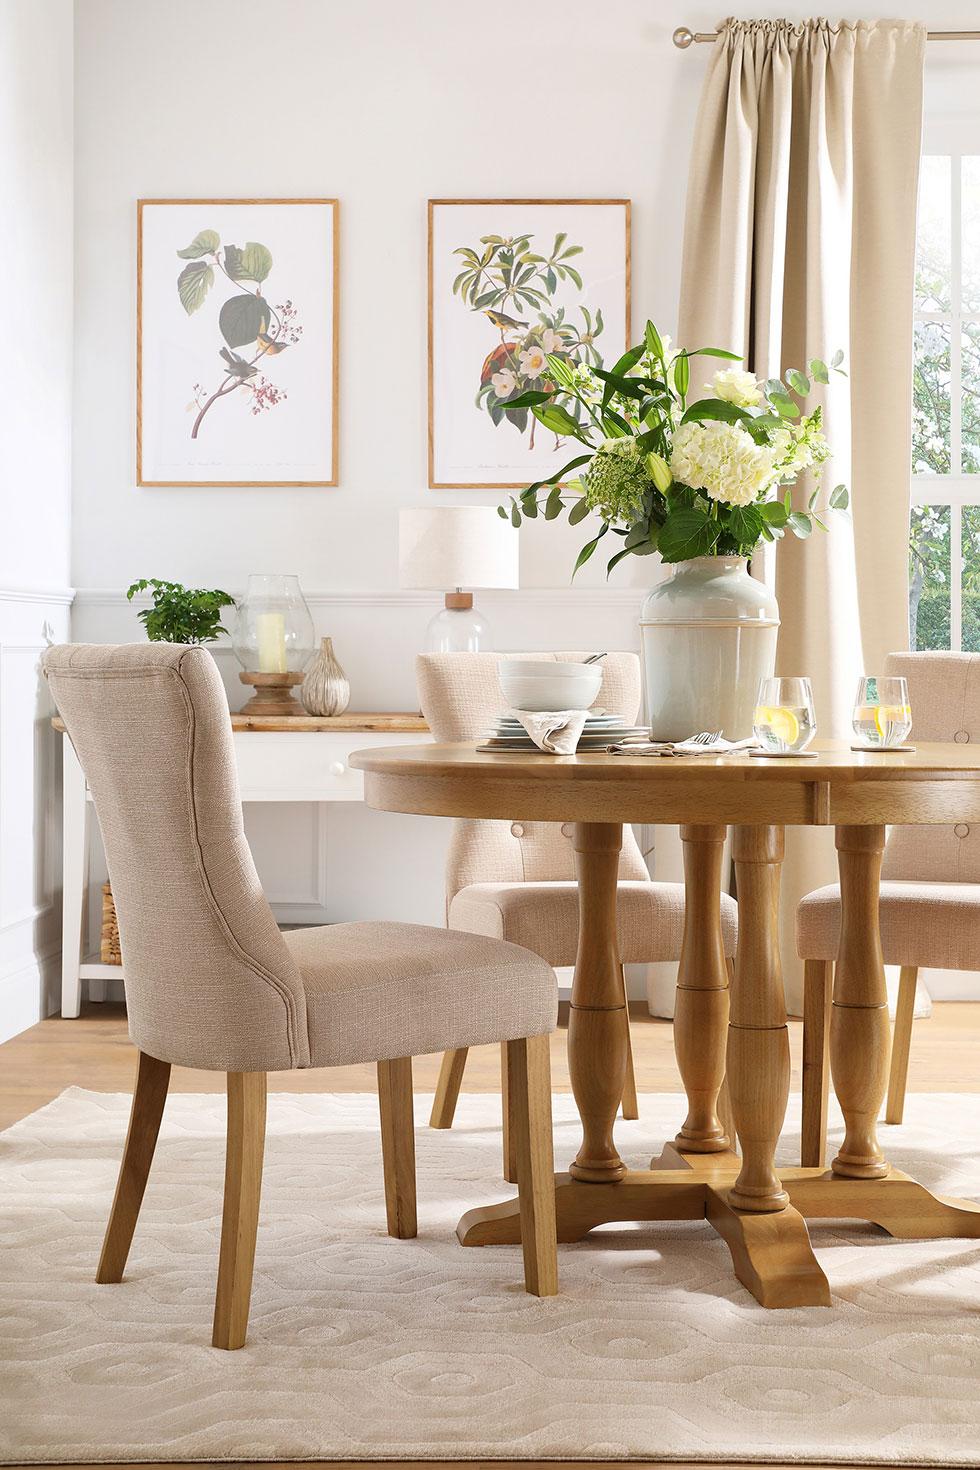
x: 729, y: 1030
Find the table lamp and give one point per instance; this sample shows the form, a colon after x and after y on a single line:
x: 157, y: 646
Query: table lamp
x: 457, y: 547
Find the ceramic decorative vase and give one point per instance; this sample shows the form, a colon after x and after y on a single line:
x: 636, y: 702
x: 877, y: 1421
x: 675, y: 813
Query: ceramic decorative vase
x: 325, y: 690
x: 708, y: 635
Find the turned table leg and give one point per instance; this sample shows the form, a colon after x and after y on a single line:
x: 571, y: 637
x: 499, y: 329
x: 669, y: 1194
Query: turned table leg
x: 859, y: 1036
x: 758, y: 1041
x: 597, y: 1021
x: 701, y: 1011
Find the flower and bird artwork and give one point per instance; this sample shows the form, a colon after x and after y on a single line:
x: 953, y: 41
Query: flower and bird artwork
x: 237, y: 342
x: 515, y: 286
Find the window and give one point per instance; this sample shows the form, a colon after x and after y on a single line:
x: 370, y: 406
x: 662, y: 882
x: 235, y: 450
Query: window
x: 944, y: 547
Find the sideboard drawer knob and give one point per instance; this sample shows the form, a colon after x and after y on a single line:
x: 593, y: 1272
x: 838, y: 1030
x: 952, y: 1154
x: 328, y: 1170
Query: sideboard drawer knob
x: 337, y: 768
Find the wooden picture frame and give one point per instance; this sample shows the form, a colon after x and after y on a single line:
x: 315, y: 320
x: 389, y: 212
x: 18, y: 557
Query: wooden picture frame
x: 452, y: 388
x: 243, y: 450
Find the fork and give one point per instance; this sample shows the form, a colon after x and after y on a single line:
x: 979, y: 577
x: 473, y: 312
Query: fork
x: 706, y: 737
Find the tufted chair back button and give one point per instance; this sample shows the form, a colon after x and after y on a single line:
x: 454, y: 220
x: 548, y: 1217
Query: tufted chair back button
x: 516, y: 829
x: 567, y: 828
x: 962, y: 737
x: 961, y: 829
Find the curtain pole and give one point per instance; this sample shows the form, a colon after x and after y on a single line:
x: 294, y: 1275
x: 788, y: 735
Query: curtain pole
x: 683, y: 37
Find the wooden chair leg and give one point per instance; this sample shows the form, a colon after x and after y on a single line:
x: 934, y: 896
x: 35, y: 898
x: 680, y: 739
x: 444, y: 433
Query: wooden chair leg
x: 817, y: 999
x: 149, y: 1096
x: 901, y: 1043
x: 630, y: 1106
x: 398, y: 1145
x: 447, y: 1088
x: 507, y: 1113
x: 529, y: 1070
x: 240, y: 1217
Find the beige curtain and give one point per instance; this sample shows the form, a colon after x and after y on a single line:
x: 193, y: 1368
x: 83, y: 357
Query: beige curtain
x: 799, y: 240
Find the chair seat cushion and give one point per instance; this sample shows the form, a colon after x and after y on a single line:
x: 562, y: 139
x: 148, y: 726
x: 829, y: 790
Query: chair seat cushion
x: 377, y: 991
x: 935, y: 924
x: 544, y: 917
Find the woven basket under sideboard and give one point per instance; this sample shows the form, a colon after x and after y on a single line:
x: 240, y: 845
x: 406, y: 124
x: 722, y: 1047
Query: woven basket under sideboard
x: 109, y: 950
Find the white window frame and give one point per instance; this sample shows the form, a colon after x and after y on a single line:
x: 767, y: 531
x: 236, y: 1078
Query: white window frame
x: 954, y: 139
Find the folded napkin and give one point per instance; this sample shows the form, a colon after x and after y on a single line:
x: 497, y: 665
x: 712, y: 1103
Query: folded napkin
x: 556, y: 731
x: 683, y: 747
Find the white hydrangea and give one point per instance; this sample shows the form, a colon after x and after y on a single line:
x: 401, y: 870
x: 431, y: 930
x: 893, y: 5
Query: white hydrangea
x: 736, y: 386
x: 723, y: 460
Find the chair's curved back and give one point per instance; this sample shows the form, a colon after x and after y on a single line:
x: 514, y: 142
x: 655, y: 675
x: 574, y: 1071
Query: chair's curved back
x: 460, y: 697
x: 944, y: 689
x: 209, y: 979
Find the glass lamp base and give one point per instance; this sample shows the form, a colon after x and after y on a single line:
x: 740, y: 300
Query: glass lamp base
x: 458, y: 630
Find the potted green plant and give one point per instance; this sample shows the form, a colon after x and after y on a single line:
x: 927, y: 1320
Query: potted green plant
x: 701, y: 480
x: 181, y: 614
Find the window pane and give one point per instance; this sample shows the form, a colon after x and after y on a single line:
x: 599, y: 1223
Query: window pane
x: 929, y: 577
x: 970, y: 400
x: 933, y: 232
x: 930, y: 400
x: 970, y: 578
x: 970, y: 268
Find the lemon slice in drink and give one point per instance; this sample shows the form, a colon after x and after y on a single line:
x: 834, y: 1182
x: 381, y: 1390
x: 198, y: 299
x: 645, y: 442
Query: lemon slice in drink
x: 891, y: 714
x: 781, y: 721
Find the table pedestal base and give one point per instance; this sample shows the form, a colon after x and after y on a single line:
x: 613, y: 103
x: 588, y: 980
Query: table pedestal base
x: 771, y: 1253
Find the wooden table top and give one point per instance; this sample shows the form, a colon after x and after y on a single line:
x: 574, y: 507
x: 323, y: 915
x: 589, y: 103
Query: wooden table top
x: 934, y: 783
x: 395, y: 724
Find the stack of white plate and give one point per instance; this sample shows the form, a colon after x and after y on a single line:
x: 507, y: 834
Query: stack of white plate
x: 601, y: 729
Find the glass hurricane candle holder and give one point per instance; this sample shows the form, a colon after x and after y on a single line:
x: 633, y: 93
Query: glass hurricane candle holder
x: 274, y: 641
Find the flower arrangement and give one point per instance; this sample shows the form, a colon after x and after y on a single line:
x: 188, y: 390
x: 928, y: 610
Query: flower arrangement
x: 708, y: 477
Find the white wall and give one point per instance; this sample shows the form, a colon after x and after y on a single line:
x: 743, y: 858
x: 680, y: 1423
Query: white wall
x: 382, y: 104
x: 35, y: 413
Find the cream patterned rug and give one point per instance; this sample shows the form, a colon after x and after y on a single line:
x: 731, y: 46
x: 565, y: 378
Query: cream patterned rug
x: 362, y: 1347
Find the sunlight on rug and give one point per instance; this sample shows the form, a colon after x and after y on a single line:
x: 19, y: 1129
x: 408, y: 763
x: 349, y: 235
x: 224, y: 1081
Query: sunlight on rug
x: 362, y: 1347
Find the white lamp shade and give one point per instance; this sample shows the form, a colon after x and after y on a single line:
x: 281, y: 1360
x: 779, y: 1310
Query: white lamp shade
x: 449, y: 546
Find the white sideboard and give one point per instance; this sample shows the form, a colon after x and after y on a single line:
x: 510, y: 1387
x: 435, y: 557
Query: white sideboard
x: 299, y: 759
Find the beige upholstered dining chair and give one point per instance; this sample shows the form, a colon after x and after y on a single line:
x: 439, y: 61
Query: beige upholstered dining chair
x: 211, y: 982
x: 929, y: 908
x: 516, y: 880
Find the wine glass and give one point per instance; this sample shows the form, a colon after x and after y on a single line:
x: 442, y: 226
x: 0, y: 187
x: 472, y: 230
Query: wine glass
x: 882, y: 715
x: 783, y: 722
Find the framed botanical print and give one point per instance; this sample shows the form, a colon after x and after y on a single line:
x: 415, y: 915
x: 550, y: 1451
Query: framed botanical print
x: 236, y: 342
x: 512, y: 281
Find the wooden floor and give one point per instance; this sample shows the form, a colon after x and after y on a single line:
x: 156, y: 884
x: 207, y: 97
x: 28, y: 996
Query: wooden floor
x: 94, y: 1051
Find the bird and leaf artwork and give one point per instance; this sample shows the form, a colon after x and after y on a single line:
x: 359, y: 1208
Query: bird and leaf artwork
x: 517, y: 288
x: 252, y: 328
x: 237, y: 341
x: 513, y: 284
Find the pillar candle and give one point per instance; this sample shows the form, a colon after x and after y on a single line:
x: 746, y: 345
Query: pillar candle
x: 271, y: 632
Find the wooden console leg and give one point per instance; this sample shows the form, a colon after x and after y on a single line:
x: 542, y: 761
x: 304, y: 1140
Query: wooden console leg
x: 818, y: 978
x: 240, y: 1216
x: 898, y: 1072
x: 859, y: 1030
x: 447, y: 1088
x: 597, y: 1015
x: 758, y: 1041
x: 149, y: 1096
x: 701, y: 1011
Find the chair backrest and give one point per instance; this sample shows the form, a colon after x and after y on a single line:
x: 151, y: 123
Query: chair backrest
x: 461, y: 698
x: 944, y: 689
x: 209, y: 979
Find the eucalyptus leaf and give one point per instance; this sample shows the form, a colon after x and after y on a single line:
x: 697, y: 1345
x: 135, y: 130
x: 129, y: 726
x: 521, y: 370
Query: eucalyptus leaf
x: 799, y: 523
x: 552, y: 506
x: 840, y: 497
x: 818, y: 371
x: 799, y: 382
x: 578, y: 511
